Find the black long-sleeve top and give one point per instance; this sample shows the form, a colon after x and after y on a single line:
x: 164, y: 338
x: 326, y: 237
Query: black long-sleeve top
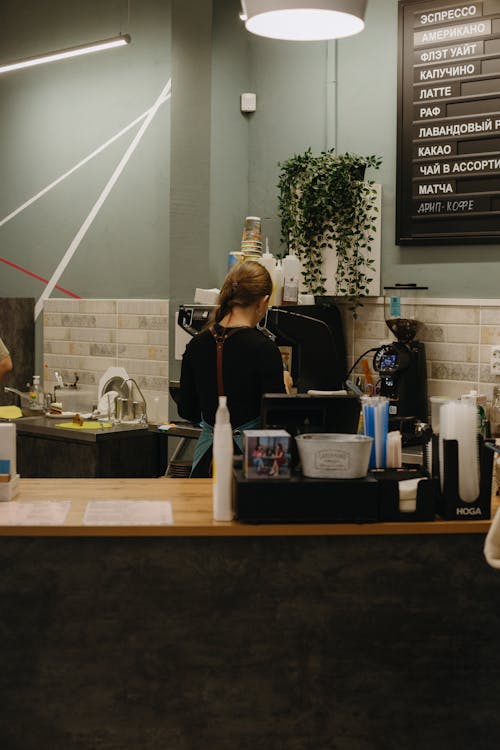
x: 252, y: 366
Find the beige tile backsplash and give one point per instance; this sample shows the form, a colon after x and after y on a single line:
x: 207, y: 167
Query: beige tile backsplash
x: 458, y: 335
x: 88, y: 336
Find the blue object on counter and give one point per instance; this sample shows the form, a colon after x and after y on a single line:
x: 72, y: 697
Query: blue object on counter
x: 395, y: 307
x: 376, y: 425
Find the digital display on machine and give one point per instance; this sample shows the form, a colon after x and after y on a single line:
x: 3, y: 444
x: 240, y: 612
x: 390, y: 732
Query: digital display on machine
x: 388, y: 361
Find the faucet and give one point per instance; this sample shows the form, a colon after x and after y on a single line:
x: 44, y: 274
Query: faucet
x: 14, y: 390
x: 36, y: 407
x: 143, y: 419
x: 58, y: 384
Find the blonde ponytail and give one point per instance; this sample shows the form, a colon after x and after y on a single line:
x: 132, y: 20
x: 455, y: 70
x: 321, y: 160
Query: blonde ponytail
x: 244, y: 285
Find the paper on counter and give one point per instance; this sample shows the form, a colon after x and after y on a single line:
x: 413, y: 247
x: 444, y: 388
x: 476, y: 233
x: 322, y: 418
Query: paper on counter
x: 314, y: 392
x: 128, y: 513
x: 40, y: 513
x: 10, y: 412
x: 206, y: 296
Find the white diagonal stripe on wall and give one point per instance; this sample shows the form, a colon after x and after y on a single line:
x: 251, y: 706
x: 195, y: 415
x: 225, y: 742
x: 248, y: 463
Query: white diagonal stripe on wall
x: 81, y: 163
x: 165, y: 94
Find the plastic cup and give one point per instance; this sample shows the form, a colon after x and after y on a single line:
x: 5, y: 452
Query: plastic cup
x: 436, y: 404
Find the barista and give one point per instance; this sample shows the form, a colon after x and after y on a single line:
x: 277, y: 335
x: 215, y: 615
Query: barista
x: 5, y: 361
x: 250, y: 363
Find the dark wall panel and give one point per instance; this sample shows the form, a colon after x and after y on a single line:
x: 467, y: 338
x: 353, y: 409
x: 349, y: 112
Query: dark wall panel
x: 17, y: 331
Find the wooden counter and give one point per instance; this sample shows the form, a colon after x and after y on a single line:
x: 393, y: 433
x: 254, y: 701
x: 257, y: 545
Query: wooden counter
x: 224, y: 635
x: 191, y: 501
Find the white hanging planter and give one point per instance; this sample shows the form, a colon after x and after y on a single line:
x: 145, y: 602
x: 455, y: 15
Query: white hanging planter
x: 330, y: 261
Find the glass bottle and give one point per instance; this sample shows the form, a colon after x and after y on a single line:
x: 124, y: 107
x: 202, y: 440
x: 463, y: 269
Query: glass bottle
x: 495, y: 413
x: 35, y: 394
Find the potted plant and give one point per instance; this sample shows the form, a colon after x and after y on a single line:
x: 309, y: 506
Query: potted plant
x: 324, y: 202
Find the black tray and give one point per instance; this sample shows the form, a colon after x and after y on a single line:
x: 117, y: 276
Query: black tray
x: 302, y: 500
x: 427, y: 494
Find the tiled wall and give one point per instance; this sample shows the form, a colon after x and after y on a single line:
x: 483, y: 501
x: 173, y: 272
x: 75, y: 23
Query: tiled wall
x: 458, y: 335
x: 88, y: 336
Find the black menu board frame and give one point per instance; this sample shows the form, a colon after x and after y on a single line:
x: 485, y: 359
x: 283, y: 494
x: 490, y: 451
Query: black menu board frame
x: 448, y: 137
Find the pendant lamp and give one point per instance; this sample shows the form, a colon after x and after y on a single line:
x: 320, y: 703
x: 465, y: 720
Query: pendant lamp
x: 304, y: 20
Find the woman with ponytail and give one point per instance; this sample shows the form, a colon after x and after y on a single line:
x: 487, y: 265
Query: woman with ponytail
x: 231, y: 357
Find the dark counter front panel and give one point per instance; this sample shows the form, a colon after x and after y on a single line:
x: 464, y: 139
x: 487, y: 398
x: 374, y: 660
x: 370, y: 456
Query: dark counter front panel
x: 340, y: 643
x: 46, y: 451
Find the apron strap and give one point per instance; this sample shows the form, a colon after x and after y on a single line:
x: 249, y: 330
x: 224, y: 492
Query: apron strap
x: 220, y: 382
x: 220, y: 339
x: 205, y: 441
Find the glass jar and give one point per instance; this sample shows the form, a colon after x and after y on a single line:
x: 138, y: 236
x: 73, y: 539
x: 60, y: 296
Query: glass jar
x: 401, y: 312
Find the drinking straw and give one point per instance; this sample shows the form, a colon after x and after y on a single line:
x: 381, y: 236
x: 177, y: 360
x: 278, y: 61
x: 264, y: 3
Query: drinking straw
x: 369, y: 427
x: 384, y: 406
x: 376, y: 425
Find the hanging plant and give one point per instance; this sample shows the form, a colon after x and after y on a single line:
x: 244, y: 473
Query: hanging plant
x: 324, y: 202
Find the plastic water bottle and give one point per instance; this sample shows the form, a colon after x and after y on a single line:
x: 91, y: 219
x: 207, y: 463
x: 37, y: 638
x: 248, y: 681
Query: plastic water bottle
x: 223, y: 464
x: 268, y: 261
x: 291, y: 277
x: 278, y: 285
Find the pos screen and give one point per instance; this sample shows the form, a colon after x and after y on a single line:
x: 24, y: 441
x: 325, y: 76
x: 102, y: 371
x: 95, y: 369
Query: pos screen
x: 302, y: 413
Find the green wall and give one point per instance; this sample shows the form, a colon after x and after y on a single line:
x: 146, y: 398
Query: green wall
x: 53, y: 116
x: 344, y: 95
x: 202, y: 165
x: 367, y: 112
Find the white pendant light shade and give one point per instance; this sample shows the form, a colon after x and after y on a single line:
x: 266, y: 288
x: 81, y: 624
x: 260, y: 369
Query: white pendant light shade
x: 305, y: 20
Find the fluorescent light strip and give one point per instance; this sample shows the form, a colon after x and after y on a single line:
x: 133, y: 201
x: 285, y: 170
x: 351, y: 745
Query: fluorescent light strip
x: 82, y: 49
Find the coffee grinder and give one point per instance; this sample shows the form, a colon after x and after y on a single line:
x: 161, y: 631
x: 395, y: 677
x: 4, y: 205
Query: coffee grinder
x: 401, y: 364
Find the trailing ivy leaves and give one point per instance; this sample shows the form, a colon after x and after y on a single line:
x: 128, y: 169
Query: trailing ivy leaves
x: 324, y: 202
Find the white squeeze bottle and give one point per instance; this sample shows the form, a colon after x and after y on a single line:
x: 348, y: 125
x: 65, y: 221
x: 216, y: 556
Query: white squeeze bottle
x: 222, y: 487
x: 291, y: 276
x: 267, y: 260
x: 278, y: 284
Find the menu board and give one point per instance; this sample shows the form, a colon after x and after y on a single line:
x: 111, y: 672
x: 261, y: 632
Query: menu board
x: 448, y: 165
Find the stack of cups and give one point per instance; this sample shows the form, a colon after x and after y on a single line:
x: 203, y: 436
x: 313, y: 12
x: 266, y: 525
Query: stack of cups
x: 251, y: 239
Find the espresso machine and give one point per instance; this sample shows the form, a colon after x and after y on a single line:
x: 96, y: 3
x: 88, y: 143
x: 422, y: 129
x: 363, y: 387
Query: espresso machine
x: 311, y: 334
x: 401, y: 365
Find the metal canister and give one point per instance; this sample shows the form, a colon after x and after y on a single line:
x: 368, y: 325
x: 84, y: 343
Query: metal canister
x: 120, y: 406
